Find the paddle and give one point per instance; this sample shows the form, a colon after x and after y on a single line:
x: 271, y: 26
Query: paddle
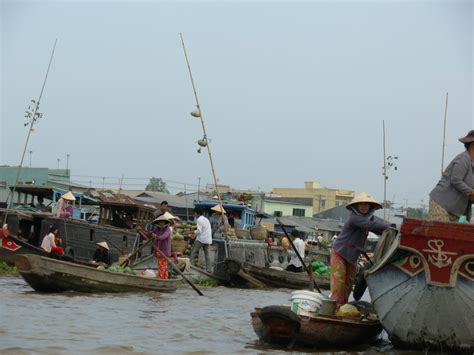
x: 179, y: 272
x: 136, y: 251
x: 310, y: 272
x: 175, y: 267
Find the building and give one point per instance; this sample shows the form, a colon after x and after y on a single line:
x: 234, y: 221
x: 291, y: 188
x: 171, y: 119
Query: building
x: 33, y: 177
x: 283, y: 206
x: 323, y: 198
x: 341, y: 214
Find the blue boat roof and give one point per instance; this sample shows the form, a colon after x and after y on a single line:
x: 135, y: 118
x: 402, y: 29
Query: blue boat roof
x: 227, y: 206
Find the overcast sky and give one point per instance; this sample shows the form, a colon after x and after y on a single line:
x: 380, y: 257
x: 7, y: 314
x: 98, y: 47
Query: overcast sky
x: 289, y: 92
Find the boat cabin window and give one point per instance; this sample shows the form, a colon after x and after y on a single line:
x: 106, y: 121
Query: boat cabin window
x: 125, y: 240
x: 92, y: 235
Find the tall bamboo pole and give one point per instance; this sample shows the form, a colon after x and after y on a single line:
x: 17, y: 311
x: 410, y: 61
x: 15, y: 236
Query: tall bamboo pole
x: 198, y: 106
x: 444, y: 134
x: 33, y: 118
x: 384, y: 176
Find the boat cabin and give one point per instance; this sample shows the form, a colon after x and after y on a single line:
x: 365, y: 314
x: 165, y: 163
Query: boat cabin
x: 122, y: 211
x: 244, y: 216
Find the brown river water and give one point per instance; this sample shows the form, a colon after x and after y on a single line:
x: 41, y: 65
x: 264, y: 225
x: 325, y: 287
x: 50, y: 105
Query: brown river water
x: 183, y: 322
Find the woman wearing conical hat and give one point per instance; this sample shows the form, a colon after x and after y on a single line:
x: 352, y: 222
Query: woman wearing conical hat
x: 63, y: 206
x: 161, y: 233
x: 350, y: 244
x: 453, y: 196
x: 101, y: 254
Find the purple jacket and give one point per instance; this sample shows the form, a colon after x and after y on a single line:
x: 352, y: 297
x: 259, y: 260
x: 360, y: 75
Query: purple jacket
x: 351, y: 241
x: 162, y: 239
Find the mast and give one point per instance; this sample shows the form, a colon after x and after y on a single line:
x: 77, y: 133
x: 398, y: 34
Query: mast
x: 33, y: 115
x: 204, y: 142
x: 444, y: 135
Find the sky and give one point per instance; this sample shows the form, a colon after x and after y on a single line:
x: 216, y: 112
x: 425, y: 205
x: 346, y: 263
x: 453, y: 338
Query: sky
x: 289, y: 91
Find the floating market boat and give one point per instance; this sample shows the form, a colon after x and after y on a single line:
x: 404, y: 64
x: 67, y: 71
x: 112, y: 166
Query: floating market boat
x: 51, y: 275
x: 12, y: 246
x: 422, y: 285
x: 79, y: 237
x: 273, y: 277
x: 279, y: 325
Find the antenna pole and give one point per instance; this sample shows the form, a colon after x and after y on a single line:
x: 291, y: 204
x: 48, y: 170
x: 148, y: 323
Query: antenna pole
x: 33, y: 118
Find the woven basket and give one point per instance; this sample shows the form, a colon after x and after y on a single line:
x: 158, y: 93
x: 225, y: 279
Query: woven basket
x: 258, y: 233
x: 179, y: 245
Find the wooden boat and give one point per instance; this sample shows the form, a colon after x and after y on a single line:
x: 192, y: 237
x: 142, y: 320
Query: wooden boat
x: 12, y: 246
x: 271, y: 277
x: 422, y: 285
x: 279, y: 325
x: 51, y: 275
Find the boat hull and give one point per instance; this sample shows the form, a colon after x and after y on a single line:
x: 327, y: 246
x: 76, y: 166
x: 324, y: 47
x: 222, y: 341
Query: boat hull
x: 422, y: 287
x: 278, y: 325
x: 277, y: 278
x: 51, y: 275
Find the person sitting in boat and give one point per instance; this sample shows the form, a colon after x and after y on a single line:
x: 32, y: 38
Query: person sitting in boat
x: 161, y: 233
x: 295, y: 264
x: 219, y: 222
x: 453, y: 196
x: 52, y: 241
x: 350, y: 243
x: 63, y: 206
x: 101, y: 254
x: 4, y: 233
x: 40, y: 204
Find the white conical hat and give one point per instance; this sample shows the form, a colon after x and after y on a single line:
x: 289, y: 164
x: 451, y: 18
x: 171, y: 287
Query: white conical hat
x: 218, y: 208
x: 104, y: 245
x: 69, y: 196
x: 170, y: 216
x: 364, y: 197
x: 163, y: 217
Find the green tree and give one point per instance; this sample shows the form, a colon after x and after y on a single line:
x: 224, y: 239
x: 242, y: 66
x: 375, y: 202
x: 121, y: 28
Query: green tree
x: 416, y: 212
x: 157, y: 185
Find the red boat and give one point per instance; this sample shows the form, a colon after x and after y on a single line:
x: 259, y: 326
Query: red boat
x: 422, y: 285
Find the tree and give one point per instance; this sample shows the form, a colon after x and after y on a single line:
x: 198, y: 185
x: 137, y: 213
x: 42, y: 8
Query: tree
x: 157, y: 185
x: 416, y: 212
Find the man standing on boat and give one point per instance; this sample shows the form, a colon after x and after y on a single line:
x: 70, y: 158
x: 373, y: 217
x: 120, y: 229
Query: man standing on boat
x: 453, y: 196
x: 202, y: 238
x: 164, y: 207
x: 295, y: 264
x: 219, y: 222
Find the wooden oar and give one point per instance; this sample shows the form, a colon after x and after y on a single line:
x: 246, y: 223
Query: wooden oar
x: 179, y: 272
x: 136, y: 251
x: 310, y: 272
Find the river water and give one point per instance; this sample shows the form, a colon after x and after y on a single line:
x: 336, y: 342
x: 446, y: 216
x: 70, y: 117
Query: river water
x: 183, y: 322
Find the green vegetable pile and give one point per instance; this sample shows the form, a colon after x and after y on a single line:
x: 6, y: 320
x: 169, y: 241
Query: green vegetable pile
x: 7, y: 270
x: 319, y: 268
x: 116, y: 268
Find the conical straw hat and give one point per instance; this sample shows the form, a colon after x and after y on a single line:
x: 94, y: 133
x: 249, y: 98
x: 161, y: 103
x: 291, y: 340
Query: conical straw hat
x: 69, y: 196
x: 364, y: 197
x: 163, y: 217
x: 104, y: 245
x: 170, y: 216
x: 218, y: 208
